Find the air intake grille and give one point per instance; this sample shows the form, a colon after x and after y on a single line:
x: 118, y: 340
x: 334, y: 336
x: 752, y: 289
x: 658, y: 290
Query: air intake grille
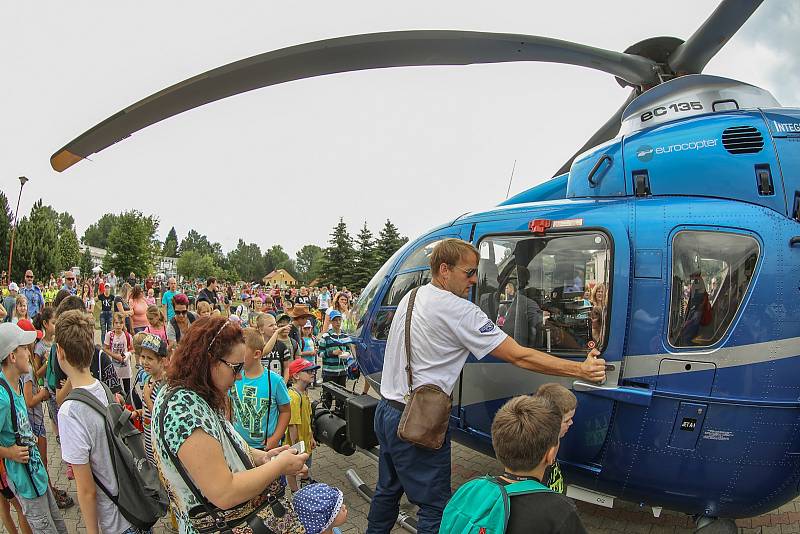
x: 742, y: 140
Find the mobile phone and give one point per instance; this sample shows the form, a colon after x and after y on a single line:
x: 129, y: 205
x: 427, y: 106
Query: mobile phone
x: 300, y: 447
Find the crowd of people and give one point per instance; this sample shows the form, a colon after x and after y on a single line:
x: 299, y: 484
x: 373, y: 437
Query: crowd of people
x: 215, y: 377
x: 232, y: 360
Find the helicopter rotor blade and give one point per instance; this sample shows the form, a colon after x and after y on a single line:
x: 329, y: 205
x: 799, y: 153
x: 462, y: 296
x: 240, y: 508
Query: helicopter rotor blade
x: 607, y: 131
x: 693, y: 55
x: 344, y: 54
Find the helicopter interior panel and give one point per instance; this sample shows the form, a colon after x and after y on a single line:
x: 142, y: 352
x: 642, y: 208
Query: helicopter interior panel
x: 548, y: 293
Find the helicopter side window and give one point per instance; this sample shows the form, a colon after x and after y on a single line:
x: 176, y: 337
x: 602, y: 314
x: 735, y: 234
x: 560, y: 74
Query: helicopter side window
x: 549, y: 293
x: 403, y: 283
x: 711, y: 272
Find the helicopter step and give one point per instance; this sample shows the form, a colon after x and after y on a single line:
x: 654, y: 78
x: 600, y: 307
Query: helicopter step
x: 715, y: 525
x: 404, y: 520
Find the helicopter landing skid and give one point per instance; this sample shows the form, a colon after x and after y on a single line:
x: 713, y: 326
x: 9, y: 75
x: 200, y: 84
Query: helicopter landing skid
x: 715, y: 525
x: 404, y: 520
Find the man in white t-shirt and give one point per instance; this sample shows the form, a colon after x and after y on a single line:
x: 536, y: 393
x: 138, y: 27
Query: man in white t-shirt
x: 445, y: 329
x: 83, y: 437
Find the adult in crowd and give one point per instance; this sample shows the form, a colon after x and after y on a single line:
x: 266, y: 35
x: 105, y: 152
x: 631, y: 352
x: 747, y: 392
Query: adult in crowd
x: 138, y: 306
x: 179, y: 325
x: 10, y: 301
x: 324, y: 301
x: 106, y: 301
x: 341, y: 304
x: 202, y: 370
x: 111, y: 280
x: 121, y: 305
x: 300, y: 313
x: 209, y: 293
x: 70, y: 283
x: 132, y: 279
x: 166, y: 299
x: 445, y: 329
x: 33, y: 294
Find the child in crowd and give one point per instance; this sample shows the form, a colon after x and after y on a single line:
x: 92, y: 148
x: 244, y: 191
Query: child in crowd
x: 118, y: 344
x: 260, y: 398
x: 84, y: 443
x: 309, y: 350
x: 157, y: 322
x: 277, y: 352
x: 525, y: 434
x: 150, y: 298
x: 46, y: 322
x: 25, y: 470
x: 320, y: 508
x: 302, y: 373
x: 203, y: 309
x: 566, y: 402
x: 154, y: 360
x: 334, y: 347
x: 35, y: 395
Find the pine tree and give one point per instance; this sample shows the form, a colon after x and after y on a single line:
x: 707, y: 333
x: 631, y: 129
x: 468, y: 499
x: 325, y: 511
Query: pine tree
x: 339, y: 257
x: 365, y: 259
x: 6, y: 221
x: 36, y: 244
x: 389, y: 240
x: 68, y: 249
x: 170, y: 249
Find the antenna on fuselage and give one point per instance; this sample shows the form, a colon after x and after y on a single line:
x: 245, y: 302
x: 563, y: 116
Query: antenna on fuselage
x: 513, y: 168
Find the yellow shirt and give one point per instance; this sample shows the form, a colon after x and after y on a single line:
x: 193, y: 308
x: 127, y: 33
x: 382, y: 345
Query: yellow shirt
x: 301, y: 416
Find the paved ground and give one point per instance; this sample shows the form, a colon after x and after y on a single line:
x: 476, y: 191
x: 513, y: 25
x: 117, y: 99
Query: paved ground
x: 330, y: 467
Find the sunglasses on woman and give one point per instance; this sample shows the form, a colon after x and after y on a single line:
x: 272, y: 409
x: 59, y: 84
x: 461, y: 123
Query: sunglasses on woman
x: 236, y: 368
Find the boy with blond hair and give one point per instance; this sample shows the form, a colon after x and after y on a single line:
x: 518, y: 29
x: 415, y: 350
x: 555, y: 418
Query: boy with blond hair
x: 260, y: 399
x: 566, y: 402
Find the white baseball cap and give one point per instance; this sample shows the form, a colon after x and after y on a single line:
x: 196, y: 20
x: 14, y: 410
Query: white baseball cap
x: 11, y: 337
x: 13, y: 286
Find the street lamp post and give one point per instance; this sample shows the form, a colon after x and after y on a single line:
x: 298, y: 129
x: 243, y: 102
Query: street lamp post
x: 22, y: 181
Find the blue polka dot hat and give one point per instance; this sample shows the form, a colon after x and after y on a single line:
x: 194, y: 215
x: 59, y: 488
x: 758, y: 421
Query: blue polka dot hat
x: 317, y: 505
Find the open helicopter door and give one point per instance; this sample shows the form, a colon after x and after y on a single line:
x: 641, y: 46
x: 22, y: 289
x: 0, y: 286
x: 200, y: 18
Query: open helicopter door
x: 556, y: 290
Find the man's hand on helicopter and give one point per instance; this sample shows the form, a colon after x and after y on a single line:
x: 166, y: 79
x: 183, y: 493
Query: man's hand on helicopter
x: 593, y: 368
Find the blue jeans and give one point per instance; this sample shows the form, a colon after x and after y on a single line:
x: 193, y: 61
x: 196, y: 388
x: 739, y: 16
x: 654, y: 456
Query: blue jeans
x: 422, y: 474
x: 105, y: 325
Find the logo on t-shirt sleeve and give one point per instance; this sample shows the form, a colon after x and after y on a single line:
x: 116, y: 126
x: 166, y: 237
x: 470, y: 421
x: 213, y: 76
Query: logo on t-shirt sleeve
x: 488, y: 327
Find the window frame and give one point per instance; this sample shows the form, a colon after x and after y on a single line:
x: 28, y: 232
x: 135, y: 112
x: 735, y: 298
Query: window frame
x: 565, y: 232
x: 745, y: 298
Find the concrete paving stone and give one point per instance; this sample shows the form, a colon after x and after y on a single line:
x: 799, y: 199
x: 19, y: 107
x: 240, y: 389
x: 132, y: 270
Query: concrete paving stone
x: 790, y: 528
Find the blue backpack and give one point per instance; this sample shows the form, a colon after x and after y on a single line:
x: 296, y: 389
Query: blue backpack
x: 482, y: 505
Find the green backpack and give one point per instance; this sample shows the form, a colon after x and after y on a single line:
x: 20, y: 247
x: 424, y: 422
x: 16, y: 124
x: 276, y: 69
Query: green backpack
x: 481, y: 506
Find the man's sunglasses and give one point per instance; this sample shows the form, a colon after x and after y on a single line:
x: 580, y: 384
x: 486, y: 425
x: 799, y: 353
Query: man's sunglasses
x: 235, y: 367
x: 181, y: 312
x: 469, y: 272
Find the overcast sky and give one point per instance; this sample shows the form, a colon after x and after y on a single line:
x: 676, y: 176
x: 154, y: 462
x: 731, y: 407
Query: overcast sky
x: 419, y: 146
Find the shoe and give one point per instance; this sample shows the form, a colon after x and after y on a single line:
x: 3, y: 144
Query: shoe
x: 307, y: 482
x: 70, y: 474
x: 58, y: 492
x: 64, y: 501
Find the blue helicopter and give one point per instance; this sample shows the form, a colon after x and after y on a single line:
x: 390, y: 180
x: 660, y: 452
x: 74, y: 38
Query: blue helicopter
x: 670, y: 242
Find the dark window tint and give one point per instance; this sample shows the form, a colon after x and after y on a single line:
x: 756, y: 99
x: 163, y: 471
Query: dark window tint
x: 402, y: 284
x: 381, y: 324
x: 711, y: 272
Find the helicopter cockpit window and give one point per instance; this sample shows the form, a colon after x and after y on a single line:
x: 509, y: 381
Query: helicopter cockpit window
x: 549, y: 293
x: 420, y: 257
x: 711, y: 272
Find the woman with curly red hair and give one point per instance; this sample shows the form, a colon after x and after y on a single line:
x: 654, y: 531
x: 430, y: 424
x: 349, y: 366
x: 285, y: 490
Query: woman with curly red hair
x: 210, y: 472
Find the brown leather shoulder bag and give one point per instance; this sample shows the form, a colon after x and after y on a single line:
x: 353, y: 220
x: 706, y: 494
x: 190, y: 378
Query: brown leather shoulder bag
x: 427, y: 412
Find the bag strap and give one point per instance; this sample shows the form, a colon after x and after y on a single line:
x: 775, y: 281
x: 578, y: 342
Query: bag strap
x: 409, y: 312
x: 526, y: 486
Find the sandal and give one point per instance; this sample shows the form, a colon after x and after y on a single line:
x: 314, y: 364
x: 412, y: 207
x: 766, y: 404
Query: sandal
x: 64, y: 501
x: 58, y: 492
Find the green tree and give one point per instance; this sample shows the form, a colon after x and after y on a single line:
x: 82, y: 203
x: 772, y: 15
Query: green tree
x: 6, y: 221
x: 365, y: 266
x: 309, y: 261
x: 247, y: 260
x: 97, y: 234
x: 132, y: 245
x: 389, y: 240
x: 199, y: 243
x: 193, y: 264
x: 339, y: 257
x: 170, y: 244
x: 68, y: 250
x: 85, y: 263
x: 36, y: 244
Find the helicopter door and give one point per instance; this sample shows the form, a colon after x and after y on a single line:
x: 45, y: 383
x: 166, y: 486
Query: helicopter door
x: 550, y: 292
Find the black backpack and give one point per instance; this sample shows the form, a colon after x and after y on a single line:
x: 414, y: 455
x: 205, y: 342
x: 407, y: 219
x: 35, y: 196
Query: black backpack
x: 141, y: 499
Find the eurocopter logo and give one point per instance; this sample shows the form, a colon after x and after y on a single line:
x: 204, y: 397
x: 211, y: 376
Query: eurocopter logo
x: 646, y: 152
